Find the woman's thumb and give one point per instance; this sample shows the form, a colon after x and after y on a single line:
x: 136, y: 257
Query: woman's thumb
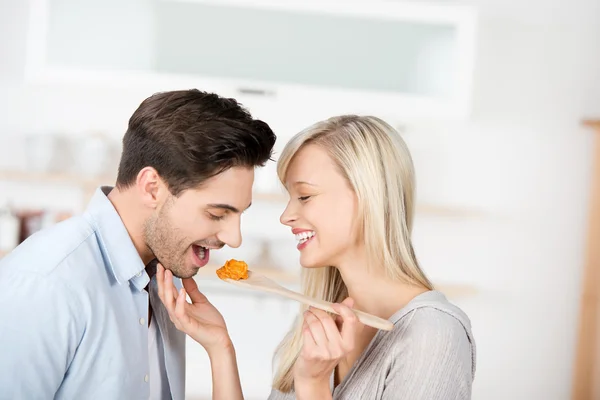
x: 348, y: 302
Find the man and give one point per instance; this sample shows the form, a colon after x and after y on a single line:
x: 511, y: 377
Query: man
x: 80, y: 317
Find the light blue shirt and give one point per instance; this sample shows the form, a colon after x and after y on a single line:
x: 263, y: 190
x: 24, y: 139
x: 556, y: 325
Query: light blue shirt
x: 74, y: 314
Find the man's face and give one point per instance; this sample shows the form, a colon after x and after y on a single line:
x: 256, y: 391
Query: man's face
x: 182, y: 231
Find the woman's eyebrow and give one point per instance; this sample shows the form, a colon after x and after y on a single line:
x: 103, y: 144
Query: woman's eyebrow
x: 298, y: 183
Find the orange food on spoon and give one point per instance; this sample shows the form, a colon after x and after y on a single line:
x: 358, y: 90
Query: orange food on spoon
x: 233, y: 269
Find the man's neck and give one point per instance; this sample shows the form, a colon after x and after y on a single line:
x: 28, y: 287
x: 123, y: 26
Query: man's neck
x: 129, y: 212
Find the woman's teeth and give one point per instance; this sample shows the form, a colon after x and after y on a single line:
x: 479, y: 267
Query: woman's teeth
x: 304, y: 236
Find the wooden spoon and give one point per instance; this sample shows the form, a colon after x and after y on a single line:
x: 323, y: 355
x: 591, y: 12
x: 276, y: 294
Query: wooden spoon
x: 260, y: 282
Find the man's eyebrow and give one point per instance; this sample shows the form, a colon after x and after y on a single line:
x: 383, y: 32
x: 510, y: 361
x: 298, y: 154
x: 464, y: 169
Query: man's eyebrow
x: 228, y: 207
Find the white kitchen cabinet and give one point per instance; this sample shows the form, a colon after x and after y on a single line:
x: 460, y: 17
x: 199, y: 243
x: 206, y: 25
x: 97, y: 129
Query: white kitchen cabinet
x: 406, y: 59
x: 257, y: 323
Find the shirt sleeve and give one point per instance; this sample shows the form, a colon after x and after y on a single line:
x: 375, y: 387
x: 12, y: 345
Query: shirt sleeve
x: 432, y: 360
x: 38, y: 333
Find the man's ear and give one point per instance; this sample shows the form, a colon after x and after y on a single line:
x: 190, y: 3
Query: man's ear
x: 152, y: 189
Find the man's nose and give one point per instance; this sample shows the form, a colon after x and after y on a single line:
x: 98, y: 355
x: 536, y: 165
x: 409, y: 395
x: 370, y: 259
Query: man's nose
x: 232, y: 234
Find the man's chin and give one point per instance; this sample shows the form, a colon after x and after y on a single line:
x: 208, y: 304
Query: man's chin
x: 188, y: 273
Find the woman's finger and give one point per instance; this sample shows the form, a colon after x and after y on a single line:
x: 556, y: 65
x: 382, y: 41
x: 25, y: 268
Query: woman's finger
x: 191, y: 287
x: 309, y: 346
x: 329, y: 327
x: 160, y: 280
x: 316, y: 329
x: 348, y: 302
x: 169, y: 294
x: 169, y: 283
x: 349, y: 325
x: 180, y: 312
x: 339, y: 320
x: 160, y: 277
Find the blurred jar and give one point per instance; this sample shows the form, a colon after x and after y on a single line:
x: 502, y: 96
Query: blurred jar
x: 9, y: 229
x: 41, y: 151
x: 30, y: 221
x: 93, y: 155
x: 48, y: 153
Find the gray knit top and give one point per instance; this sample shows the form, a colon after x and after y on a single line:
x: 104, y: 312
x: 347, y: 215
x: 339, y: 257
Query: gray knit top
x: 429, y: 355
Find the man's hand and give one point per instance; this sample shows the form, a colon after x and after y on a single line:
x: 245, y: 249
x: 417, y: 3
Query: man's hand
x: 200, y: 319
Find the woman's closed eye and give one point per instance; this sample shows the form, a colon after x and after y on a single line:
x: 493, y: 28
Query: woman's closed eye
x: 304, y: 198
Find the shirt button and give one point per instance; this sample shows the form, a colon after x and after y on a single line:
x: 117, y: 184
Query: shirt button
x: 142, y: 321
x: 146, y: 378
x: 139, y: 274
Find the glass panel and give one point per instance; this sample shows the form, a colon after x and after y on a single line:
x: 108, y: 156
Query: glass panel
x: 304, y: 48
x: 109, y: 34
x: 223, y: 41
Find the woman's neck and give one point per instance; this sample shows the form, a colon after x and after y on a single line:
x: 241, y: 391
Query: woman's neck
x: 373, y: 291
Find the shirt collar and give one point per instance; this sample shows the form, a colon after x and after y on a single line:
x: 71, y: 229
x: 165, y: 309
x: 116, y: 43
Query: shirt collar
x: 116, y: 246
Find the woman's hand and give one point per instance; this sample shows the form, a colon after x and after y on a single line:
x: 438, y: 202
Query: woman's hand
x: 325, y: 342
x: 200, y: 319
x: 205, y: 324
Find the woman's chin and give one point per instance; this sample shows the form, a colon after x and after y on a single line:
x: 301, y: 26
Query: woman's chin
x: 312, y: 264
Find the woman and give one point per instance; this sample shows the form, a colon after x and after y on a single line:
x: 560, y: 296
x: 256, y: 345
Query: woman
x: 351, y: 186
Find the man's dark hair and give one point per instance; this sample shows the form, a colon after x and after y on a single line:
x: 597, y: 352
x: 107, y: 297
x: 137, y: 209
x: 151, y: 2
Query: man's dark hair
x: 189, y: 136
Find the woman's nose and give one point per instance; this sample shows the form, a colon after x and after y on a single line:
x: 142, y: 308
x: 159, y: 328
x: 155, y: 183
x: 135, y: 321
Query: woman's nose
x: 288, y: 216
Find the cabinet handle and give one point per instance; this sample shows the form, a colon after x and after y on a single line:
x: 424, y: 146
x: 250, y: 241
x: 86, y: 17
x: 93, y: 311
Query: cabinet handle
x: 256, y: 92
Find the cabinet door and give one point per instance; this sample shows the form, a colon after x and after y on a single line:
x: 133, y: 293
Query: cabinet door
x: 306, y: 47
x: 257, y: 323
x: 364, y: 57
x: 100, y: 35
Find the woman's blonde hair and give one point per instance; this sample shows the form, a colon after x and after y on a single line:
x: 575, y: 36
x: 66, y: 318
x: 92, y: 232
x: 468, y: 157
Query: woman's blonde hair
x: 374, y: 159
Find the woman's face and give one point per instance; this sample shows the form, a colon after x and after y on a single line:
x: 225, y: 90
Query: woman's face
x: 322, y: 210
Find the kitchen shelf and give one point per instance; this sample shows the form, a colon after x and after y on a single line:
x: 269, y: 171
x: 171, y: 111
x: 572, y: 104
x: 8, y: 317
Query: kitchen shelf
x: 208, y: 274
x: 278, y: 275
x: 89, y: 184
x: 456, y: 290
x: 422, y: 208
x: 592, y: 123
x: 60, y: 178
x: 289, y: 278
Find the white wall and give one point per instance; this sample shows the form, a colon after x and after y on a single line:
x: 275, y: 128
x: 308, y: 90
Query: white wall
x: 523, y: 157
x: 537, y: 77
